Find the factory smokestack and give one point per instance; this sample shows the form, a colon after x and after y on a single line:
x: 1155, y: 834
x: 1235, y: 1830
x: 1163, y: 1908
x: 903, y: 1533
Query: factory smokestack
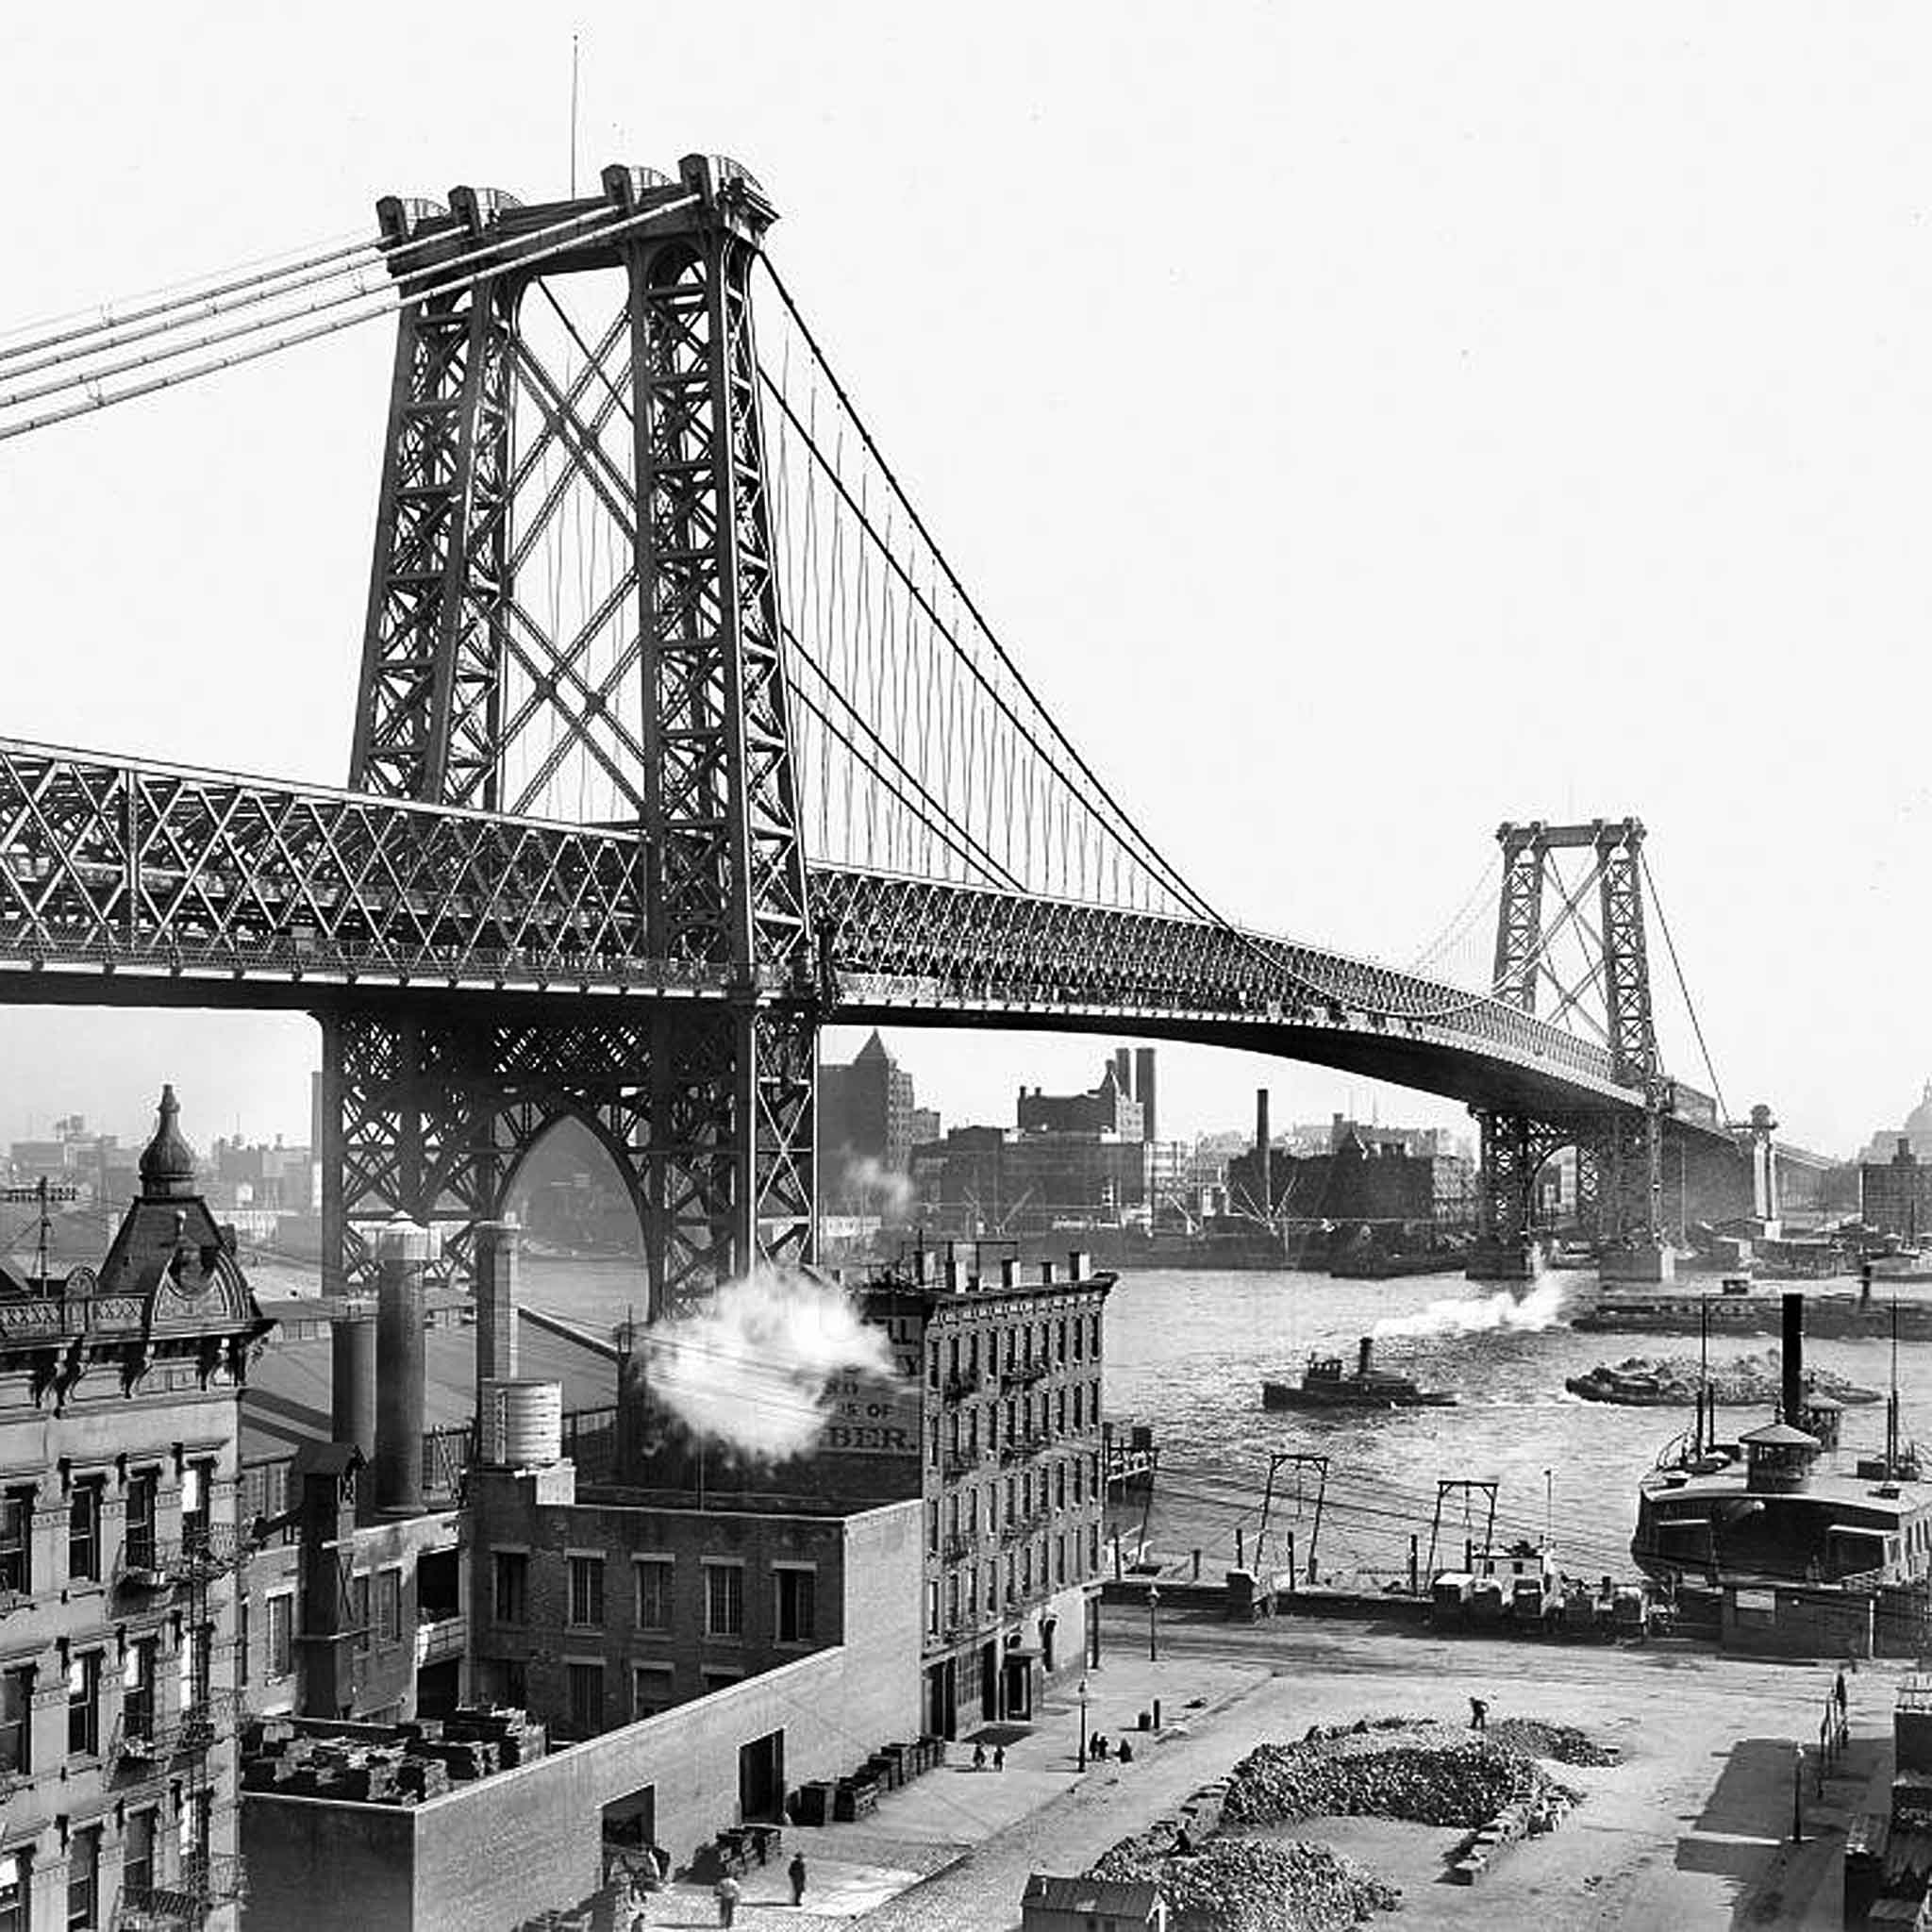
x: 1794, y: 1360
x: 402, y: 1254
x: 1143, y: 1090
x: 1265, y: 1177
x: 1123, y: 1071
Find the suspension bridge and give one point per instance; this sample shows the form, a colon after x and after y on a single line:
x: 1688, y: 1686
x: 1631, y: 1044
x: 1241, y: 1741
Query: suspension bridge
x: 678, y: 738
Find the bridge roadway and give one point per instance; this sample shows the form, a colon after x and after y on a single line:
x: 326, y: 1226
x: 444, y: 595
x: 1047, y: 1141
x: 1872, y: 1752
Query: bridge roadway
x: 133, y: 883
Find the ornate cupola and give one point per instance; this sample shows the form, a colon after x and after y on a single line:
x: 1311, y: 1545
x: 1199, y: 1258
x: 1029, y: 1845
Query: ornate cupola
x: 167, y: 1163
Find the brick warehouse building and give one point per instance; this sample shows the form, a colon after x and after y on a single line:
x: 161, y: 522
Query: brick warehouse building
x: 118, y: 1592
x: 1009, y: 1472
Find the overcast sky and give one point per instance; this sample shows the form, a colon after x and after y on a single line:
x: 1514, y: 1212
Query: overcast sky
x: 1366, y: 424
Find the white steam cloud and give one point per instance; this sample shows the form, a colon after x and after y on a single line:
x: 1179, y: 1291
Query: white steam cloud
x: 750, y: 1370
x: 890, y: 1187
x: 1539, y: 1309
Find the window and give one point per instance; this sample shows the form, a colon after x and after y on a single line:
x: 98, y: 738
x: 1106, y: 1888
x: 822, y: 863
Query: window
x: 16, y: 1727
x: 650, y: 1690
x: 1079, y: 1405
x: 587, y: 1699
x: 241, y: 1621
x: 84, y: 1705
x: 138, y: 1689
x: 137, y: 1853
x: 719, y: 1679
x: 389, y: 1606
x: 511, y: 1586
x: 1080, y: 1354
x: 84, y: 1879
x: 797, y: 1606
x: 84, y: 1534
x: 932, y: 1528
x: 1060, y: 1486
x: 359, y: 1611
x: 192, y: 1831
x: 197, y: 1481
x: 15, y: 1906
x: 281, y: 1636
x: 1060, y: 1339
x: 138, y: 1547
x: 932, y: 1365
x: 654, y: 1579
x: 1093, y: 1335
x: 1059, y: 1559
x: 197, y: 1666
x: 16, y: 1542
x: 587, y: 1591
x: 723, y: 1600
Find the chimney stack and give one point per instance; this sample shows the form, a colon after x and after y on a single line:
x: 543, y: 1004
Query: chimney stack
x: 352, y: 1381
x: 497, y: 1250
x: 1123, y: 1071
x: 402, y: 1255
x: 1143, y: 1090
x: 1794, y: 1362
x: 1263, y: 1156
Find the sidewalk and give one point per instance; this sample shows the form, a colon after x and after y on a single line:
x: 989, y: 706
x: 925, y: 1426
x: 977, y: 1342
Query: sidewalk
x: 929, y: 1825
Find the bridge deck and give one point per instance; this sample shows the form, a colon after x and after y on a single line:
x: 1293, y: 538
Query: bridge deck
x: 131, y: 883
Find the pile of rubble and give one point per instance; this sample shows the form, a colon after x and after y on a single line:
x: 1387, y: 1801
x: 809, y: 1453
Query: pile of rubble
x: 1425, y: 1773
x: 1562, y: 1743
x: 1250, y: 1885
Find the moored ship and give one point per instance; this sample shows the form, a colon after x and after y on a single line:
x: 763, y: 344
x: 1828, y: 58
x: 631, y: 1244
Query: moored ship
x: 1325, y: 1384
x: 1849, y: 1314
x: 1781, y: 1504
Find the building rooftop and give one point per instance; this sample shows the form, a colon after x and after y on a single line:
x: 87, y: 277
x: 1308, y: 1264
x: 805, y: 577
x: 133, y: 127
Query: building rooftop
x: 287, y: 1401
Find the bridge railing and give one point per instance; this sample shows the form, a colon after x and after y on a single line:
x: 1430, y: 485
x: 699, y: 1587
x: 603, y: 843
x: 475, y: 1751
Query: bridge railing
x: 116, y: 863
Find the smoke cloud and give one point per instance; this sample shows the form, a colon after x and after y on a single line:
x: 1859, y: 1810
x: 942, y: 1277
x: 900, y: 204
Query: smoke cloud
x: 1539, y: 1309
x: 750, y: 1370
x: 892, y: 1188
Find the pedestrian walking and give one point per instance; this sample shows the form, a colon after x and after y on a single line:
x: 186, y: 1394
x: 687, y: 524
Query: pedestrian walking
x: 727, y: 1895
x: 999, y: 1758
x: 1097, y: 1749
x: 1479, y: 1714
x: 1126, y: 1753
x: 1839, y: 1691
x: 795, y: 1872
x: 979, y: 1757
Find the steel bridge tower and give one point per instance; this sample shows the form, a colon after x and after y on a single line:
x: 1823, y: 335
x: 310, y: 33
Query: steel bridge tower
x: 1619, y: 1154
x: 472, y: 696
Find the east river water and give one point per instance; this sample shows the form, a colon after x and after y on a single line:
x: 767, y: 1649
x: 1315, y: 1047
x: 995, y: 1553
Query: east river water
x: 1186, y: 1353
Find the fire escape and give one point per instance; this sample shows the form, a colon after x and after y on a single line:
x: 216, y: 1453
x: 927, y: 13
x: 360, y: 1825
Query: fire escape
x: 153, y: 1744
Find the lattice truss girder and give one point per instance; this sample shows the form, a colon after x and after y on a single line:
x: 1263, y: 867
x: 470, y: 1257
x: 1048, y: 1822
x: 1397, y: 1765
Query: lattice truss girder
x: 138, y: 863
x: 1513, y: 1149
x: 1599, y: 924
x: 431, y: 1118
x: 1008, y: 949
x: 589, y: 625
x: 1619, y: 1173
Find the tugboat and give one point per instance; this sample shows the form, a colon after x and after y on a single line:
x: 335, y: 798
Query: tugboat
x: 1325, y: 1386
x: 1777, y: 1506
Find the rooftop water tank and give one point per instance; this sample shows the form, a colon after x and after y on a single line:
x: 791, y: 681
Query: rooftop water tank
x: 522, y: 1423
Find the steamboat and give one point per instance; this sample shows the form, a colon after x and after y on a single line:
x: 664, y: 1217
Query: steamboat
x: 1324, y: 1385
x: 1783, y: 1502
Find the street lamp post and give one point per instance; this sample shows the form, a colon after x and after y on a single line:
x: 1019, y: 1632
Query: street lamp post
x: 1798, y: 1796
x: 1153, y: 1627
x: 1083, y: 1724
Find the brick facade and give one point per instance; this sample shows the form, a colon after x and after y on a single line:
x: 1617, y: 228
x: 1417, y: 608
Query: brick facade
x: 1010, y: 1474
x: 118, y: 1554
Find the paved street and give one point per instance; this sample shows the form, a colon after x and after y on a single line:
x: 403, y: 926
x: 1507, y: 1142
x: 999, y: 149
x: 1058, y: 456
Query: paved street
x: 1691, y: 1828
